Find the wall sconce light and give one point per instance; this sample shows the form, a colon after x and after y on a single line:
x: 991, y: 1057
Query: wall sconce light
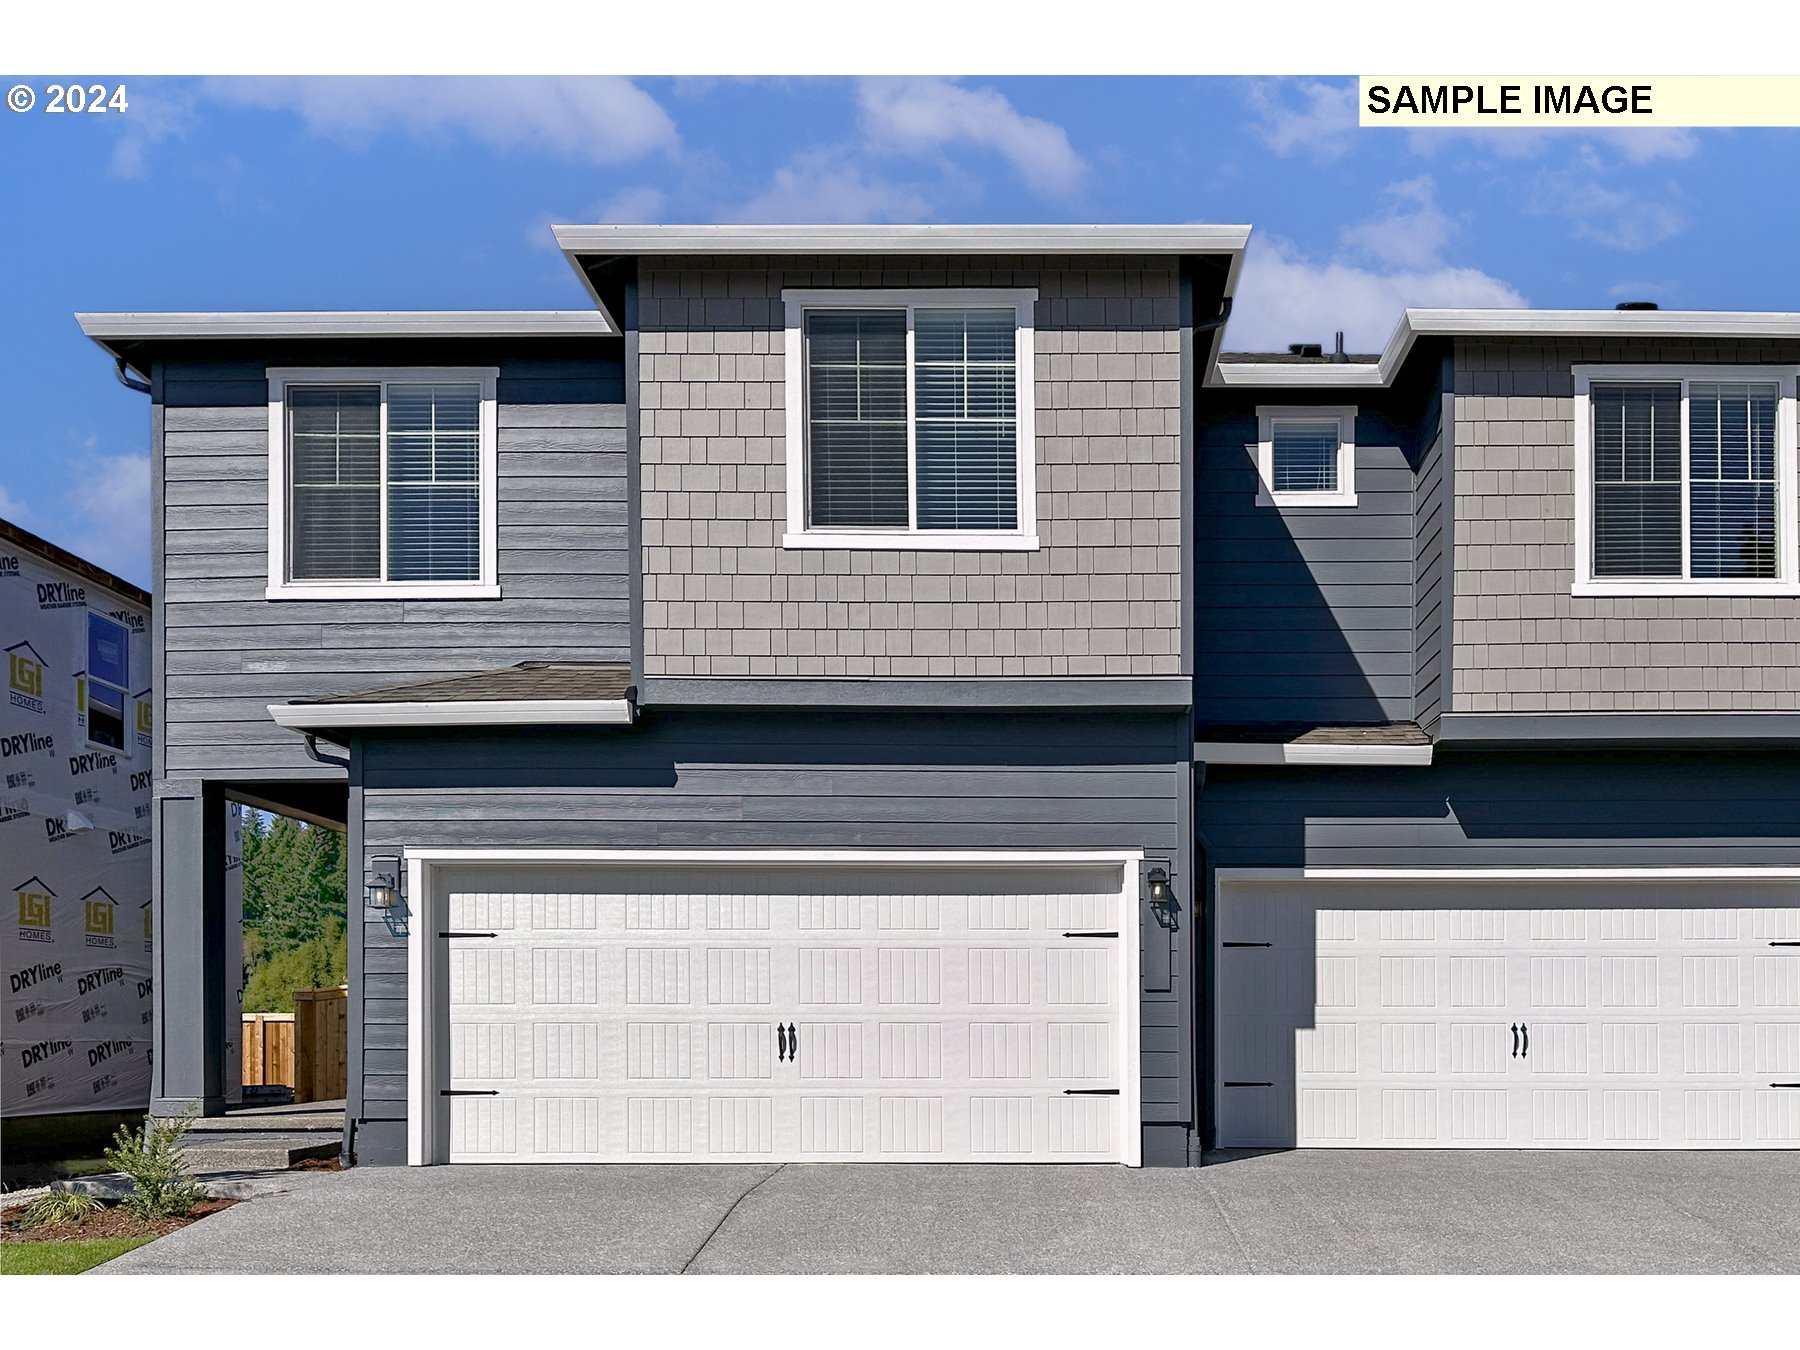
x: 1161, y: 896
x: 384, y: 883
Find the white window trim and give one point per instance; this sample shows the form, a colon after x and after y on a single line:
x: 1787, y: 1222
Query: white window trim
x: 486, y: 587
x: 427, y: 1125
x: 799, y: 535
x: 1266, y: 419
x: 128, y: 700
x: 1787, y: 481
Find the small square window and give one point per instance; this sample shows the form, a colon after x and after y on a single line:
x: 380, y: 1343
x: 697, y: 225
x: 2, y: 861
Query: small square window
x: 108, y: 677
x: 1306, y: 456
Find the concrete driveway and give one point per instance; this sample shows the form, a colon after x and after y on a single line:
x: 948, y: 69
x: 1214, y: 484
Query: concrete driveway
x: 1317, y: 1212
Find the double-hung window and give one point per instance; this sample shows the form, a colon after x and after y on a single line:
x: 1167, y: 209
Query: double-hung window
x: 909, y: 419
x: 1685, y: 480
x: 382, y: 483
x: 108, y: 677
x: 1306, y: 456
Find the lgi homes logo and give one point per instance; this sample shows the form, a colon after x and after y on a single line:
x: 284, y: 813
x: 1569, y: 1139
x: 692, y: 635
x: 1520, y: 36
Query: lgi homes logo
x: 25, y: 677
x: 97, y: 917
x: 34, y: 910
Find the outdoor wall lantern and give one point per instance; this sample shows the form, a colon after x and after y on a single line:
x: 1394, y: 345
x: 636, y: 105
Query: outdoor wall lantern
x: 1160, y: 894
x: 384, y: 882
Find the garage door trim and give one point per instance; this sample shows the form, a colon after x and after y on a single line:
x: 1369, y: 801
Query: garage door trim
x: 422, y: 993
x: 1226, y: 877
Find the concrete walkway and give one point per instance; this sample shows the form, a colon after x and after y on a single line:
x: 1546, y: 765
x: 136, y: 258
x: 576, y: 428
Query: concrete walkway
x: 1297, y: 1212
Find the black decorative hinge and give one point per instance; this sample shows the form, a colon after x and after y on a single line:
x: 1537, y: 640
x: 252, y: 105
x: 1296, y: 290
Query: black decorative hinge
x: 468, y: 1092
x: 1090, y: 1092
x: 451, y: 935
x: 1107, y: 934
x: 1245, y: 944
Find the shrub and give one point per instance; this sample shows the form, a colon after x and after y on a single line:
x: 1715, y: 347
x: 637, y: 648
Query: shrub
x: 58, y: 1207
x: 164, y: 1188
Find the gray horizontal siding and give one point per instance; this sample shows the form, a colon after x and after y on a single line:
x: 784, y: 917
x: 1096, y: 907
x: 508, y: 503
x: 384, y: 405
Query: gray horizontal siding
x: 1303, y: 614
x: 875, y: 779
x: 1576, y: 808
x: 564, y: 561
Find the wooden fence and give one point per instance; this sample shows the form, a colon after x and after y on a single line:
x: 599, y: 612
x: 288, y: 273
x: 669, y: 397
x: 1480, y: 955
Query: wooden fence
x: 304, y: 1049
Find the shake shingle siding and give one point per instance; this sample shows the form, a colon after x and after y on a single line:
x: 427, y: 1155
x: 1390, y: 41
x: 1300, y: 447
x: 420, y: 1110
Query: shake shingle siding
x: 229, y: 652
x: 1430, y: 594
x: 723, y: 598
x: 1523, y: 643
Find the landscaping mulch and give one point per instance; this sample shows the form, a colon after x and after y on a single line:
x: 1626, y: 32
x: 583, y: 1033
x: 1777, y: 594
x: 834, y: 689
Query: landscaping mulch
x: 111, y: 1222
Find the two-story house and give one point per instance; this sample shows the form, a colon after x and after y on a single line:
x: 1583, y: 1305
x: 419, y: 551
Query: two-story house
x: 902, y: 693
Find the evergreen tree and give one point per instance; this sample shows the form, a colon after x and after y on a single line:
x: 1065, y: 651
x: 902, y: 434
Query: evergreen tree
x: 295, y: 919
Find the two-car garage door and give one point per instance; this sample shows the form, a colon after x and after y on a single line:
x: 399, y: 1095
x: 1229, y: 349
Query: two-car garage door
x: 652, y: 1012
x: 1490, y: 1014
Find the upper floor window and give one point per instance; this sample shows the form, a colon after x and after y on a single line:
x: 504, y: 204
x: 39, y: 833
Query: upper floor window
x: 382, y: 483
x: 108, y: 680
x: 909, y: 418
x: 1306, y: 456
x: 1685, y: 480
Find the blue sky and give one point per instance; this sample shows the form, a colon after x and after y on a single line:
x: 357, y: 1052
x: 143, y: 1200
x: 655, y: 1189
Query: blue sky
x: 394, y: 193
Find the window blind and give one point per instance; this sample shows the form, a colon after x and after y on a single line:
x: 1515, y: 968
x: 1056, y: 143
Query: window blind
x: 1731, y: 480
x: 856, y: 418
x: 434, y: 482
x: 965, y: 428
x: 1637, y: 480
x: 1305, y: 456
x: 334, y: 459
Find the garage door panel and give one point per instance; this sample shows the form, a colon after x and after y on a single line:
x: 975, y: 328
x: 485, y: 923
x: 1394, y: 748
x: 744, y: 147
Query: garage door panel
x: 1486, y: 1014
x: 784, y: 1015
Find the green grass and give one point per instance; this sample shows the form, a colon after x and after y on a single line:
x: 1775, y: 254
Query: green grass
x: 62, y: 1258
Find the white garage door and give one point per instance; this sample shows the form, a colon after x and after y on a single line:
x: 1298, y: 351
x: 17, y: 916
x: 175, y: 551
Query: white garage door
x: 805, y: 1012
x: 1493, y: 1015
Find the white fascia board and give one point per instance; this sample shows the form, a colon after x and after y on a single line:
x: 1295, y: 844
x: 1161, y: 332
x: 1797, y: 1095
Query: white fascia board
x: 1287, y: 375
x: 460, y: 713
x: 1542, y: 323
x: 1297, y: 752
x: 899, y: 239
x: 203, y: 325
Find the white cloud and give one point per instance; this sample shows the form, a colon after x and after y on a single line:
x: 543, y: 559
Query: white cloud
x: 926, y: 116
x: 1318, y: 121
x: 1634, y: 145
x: 828, y: 187
x: 1640, y: 145
x: 158, y: 111
x: 1617, y: 217
x: 1412, y: 231
x: 1286, y: 297
x: 633, y: 206
x: 13, y: 508
x: 106, y: 519
x: 588, y: 119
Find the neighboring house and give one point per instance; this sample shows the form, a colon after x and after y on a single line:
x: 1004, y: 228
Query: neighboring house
x: 75, y: 748
x: 900, y: 693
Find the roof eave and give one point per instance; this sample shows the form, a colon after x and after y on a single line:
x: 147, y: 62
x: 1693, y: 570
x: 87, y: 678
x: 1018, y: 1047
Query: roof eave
x: 900, y: 239
x: 118, y: 333
x: 334, y: 717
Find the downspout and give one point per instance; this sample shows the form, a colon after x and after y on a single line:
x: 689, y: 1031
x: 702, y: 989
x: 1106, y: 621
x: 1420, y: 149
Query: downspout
x: 127, y: 379
x: 1219, y: 321
x: 312, y: 753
